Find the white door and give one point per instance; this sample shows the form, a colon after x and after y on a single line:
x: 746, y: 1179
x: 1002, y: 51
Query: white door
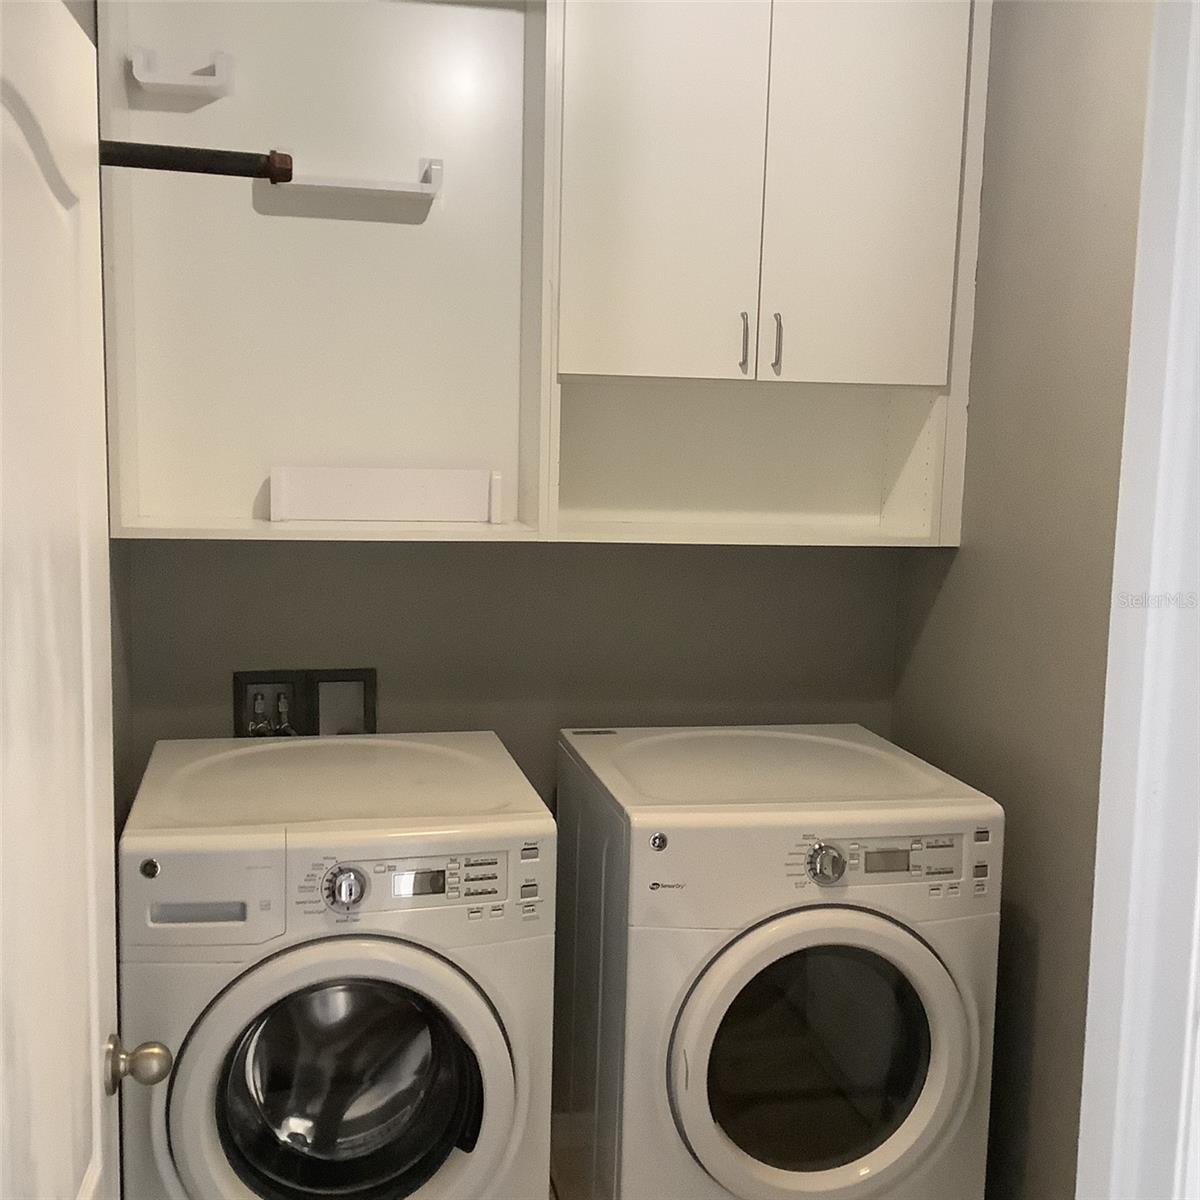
x: 57, y: 953
x: 664, y: 122
x: 864, y: 158
x: 820, y: 1055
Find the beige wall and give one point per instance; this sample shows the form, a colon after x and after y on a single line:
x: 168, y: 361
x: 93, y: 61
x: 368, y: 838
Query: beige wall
x: 1002, y: 653
x: 522, y: 639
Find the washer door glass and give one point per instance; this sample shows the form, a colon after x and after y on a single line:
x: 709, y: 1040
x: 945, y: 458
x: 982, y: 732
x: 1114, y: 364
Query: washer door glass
x: 353, y: 1087
x: 819, y: 1058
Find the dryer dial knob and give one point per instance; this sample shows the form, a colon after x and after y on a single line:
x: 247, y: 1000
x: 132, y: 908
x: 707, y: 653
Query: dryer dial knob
x: 346, y: 888
x: 826, y: 864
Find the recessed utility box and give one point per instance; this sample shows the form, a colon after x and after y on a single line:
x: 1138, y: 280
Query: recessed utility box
x: 300, y: 702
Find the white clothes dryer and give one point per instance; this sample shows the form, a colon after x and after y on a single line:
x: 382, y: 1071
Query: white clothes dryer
x: 347, y: 946
x: 776, y: 968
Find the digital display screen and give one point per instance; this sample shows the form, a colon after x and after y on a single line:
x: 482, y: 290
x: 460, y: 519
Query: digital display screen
x: 878, y: 861
x: 419, y: 883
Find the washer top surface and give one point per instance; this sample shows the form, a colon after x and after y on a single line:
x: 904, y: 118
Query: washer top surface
x: 758, y: 765
x: 204, y: 784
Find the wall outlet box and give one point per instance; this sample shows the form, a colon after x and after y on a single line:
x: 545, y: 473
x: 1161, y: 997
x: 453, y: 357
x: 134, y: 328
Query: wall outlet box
x: 304, y: 702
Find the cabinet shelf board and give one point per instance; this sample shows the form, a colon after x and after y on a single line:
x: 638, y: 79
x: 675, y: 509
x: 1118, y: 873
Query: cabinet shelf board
x: 343, y: 531
x: 729, y: 529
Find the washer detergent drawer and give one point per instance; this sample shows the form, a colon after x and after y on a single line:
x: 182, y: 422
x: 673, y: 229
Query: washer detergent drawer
x: 177, y: 893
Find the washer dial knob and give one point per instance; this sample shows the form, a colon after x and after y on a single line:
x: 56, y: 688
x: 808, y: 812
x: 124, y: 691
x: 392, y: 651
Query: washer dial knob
x: 826, y: 864
x: 345, y: 888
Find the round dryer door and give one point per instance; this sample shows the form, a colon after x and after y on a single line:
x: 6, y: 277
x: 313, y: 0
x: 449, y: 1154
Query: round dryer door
x: 355, y: 1067
x: 823, y: 1053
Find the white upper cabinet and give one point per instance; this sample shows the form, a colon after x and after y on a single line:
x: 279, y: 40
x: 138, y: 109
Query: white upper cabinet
x: 664, y: 123
x: 667, y: 232
x: 864, y: 162
x: 575, y: 337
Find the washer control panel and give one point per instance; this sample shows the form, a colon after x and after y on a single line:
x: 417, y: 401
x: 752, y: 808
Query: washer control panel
x: 388, y: 884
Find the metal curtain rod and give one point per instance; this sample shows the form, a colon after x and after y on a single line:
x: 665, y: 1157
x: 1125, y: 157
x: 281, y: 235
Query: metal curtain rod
x: 275, y: 165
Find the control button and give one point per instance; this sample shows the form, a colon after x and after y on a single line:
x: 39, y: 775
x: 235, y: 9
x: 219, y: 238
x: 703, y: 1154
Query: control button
x: 497, y: 910
x: 529, y: 854
x: 345, y: 888
x: 854, y: 860
x: 935, y: 890
x: 381, y: 868
x: 452, y: 864
x: 983, y: 835
x: 981, y: 870
x: 916, y: 869
x: 826, y: 864
x: 529, y: 891
x: 854, y: 846
x: 474, y: 914
x: 452, y: 893
x: 952, y: 889
x: 916, y: 846
x: 529, y: 910
x: 981, y: 889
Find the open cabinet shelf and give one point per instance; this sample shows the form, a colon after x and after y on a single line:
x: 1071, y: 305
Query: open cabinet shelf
x: 709, y: 461
x: 333, y: 321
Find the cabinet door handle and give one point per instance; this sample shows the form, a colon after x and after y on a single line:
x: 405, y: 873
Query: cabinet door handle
x: 744, y: 361
x: 777, y: 361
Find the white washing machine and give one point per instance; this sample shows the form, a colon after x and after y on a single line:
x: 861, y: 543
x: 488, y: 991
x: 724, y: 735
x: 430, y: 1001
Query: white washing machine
x: 347, y: 946
x: 776, y: 968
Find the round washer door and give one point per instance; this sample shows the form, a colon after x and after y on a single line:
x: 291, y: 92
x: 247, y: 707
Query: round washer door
x: 821, y: 1054
x: 361, y: 1068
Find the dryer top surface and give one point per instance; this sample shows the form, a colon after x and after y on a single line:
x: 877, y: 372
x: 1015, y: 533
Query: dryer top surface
x: 759, y: 765
x: 205, y: 784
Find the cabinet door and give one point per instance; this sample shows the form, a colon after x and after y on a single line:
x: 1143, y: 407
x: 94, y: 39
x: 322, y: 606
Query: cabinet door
x: 664, y: 123
x: 864, y: 160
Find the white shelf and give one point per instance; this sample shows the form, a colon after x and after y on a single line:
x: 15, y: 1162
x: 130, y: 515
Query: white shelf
x: 330, y: 531
x: 729, y: 529
x: 427, y: 185
x: 209, y: 82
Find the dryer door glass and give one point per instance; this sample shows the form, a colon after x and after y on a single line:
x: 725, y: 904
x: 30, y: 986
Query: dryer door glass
x: 355, y: 1087
x: 819, y: 1058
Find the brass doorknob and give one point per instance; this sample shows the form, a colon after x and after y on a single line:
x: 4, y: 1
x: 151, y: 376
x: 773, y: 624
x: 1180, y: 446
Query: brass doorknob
x: 148, y: 1064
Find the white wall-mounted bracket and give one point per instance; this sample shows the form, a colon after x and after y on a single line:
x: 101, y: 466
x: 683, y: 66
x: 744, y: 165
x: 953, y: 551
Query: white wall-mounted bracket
x: 212, y: 80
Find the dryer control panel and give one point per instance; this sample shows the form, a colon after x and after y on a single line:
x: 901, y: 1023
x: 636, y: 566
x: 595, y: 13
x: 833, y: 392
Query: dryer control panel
x: 933, y: 857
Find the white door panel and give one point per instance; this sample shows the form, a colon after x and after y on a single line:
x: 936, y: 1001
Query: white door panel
x: 864, y: 158
x: 664, y: 123
x: 57, y: 953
